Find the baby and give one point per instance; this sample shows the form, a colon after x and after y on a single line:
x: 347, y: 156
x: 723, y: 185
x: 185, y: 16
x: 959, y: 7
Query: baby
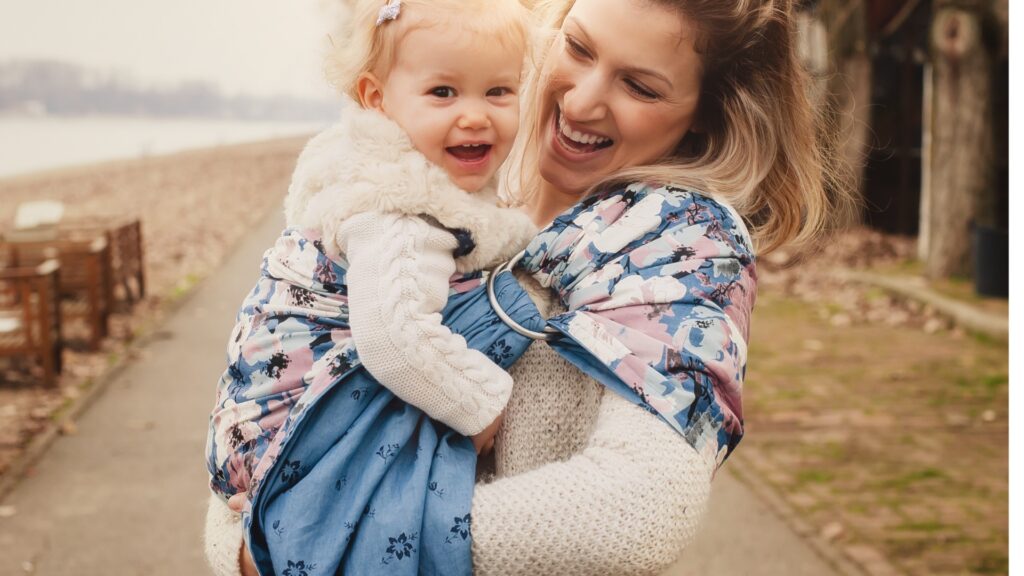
x: 391, y: 213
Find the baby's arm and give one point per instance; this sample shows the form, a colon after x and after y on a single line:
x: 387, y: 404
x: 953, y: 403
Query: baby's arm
x: 398, y: 281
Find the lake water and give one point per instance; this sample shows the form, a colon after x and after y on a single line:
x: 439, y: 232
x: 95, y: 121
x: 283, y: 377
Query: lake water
x: 32, y: 144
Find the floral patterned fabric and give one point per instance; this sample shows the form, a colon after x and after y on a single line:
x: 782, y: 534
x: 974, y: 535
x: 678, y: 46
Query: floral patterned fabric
x: 343, y: 475
x: 659, y: 284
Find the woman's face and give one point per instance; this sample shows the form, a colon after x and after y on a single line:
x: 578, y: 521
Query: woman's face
x: 620, y: 89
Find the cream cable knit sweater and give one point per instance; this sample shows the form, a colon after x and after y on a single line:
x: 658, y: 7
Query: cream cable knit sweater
x: 588, y: 483
x: 398, y: 281
x: 378, y: 203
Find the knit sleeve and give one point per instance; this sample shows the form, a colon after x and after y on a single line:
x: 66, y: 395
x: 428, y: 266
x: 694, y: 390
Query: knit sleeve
x: 222, y: 538
x: 626, y: 505
x: 398, y: 279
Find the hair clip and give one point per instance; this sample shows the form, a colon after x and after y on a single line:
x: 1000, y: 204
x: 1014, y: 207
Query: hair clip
x: 389, y: 11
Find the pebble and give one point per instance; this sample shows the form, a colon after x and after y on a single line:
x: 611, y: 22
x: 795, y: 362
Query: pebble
x: 957, y: 419
x: 841, y: 320
x: 814, y: 345
x: 7, y: 511
x: 933, y: 325
x: 831, y: 531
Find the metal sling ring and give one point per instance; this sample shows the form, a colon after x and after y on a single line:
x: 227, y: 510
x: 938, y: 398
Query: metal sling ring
x: 548, y: 334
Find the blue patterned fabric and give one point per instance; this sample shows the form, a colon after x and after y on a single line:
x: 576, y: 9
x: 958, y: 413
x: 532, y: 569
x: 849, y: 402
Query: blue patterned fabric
x: 659, y: 283
x: 343, y: 475
x: 367, y: 483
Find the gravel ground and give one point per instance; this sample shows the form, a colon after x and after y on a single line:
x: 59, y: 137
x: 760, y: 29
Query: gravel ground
x: 194, y: 206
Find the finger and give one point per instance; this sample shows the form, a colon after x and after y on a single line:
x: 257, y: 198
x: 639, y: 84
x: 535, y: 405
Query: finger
x: 237, y: 502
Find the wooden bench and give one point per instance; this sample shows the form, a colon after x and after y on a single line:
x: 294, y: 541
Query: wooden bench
x: 84, y: 286
x: 30, y: 316
x: 124, y: 235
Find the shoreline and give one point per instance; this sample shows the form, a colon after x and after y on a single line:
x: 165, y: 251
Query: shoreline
x: 84, y: 168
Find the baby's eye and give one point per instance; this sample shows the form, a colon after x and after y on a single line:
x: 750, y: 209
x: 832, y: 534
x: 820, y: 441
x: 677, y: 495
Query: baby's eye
x: 499, y: 91
x: 443, y: 92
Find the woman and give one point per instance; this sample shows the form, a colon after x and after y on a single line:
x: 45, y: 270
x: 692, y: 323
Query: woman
x: 702, y: 94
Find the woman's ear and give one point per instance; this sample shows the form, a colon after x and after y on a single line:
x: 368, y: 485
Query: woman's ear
x: 370, y: 91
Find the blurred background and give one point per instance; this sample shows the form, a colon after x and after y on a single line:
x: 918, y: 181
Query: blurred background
x: 109, y: 79
x: 145, y: 149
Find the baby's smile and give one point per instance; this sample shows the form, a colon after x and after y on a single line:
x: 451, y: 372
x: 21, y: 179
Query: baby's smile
x: 470, y: 155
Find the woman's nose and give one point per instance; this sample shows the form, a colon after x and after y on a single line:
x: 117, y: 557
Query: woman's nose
x: 584, y: 101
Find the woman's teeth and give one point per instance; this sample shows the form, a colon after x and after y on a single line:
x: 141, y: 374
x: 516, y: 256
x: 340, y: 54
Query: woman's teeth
x: 578, y: 137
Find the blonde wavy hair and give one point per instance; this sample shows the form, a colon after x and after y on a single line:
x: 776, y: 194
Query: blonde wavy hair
x: 762, y: 148
x: 372, y: 48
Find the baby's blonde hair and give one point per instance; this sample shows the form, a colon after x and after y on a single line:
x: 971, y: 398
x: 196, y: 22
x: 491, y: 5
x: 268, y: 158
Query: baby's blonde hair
x: 372, y: 48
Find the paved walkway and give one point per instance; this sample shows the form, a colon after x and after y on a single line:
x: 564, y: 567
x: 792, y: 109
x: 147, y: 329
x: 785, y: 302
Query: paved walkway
x: 126, y: 495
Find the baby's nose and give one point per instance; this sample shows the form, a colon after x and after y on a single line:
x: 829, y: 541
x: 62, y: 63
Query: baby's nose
x: 474, y: 120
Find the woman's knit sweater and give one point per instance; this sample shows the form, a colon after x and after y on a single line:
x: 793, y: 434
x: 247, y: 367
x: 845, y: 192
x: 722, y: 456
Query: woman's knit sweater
x: 586, y: 483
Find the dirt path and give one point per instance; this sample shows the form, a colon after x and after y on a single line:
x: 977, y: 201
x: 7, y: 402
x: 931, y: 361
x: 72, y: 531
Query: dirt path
x: 888, y: 439
x: 127, y: 493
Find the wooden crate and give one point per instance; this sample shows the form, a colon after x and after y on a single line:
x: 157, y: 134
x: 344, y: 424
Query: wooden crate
x: 30, y: 316
x: 85, y: 278
x: 124, y: 235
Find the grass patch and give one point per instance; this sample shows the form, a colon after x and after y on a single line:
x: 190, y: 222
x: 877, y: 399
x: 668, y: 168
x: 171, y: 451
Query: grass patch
x: 907, y: 480
x: 986, y: 339
x: 923, y: 526
x: 184, y: 286
x: 992, y: 563
x: 814, y: 476
x: 873, y: 294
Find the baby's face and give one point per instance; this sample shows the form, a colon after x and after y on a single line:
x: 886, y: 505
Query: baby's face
x: 457, y: 97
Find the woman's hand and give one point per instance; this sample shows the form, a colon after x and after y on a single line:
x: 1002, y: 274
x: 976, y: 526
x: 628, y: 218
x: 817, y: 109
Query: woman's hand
x: 484, y: 440
x: 245, y: 562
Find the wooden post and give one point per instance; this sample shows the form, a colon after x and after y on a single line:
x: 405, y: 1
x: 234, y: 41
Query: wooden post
x: 961, y: 140
x: 924, y: 230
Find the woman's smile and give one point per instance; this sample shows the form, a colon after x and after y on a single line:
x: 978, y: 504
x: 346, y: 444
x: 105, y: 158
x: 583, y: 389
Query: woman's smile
x: 577, y: 145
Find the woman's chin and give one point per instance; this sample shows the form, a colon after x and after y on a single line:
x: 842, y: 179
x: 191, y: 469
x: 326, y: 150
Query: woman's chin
x: 564, y: 180
x: 564, y: 176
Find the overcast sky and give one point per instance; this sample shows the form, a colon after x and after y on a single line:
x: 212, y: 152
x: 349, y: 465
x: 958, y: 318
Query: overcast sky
x: 258, y: 47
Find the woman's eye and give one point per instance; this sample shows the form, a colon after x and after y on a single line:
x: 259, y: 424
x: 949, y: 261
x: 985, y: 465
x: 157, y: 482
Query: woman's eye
x: 443, y: 92
x: 576, y: 48
x: 499, y: 91
x: 641, y: 90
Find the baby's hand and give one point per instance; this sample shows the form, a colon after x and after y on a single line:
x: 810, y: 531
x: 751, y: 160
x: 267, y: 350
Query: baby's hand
x: 484, y: 440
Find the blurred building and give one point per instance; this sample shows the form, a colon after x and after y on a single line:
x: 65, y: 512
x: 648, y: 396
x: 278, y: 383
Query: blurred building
x: 919, y: 92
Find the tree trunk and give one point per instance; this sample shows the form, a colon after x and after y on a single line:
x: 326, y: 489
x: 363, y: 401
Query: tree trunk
x: 849, y: 85
x: 961, y: 140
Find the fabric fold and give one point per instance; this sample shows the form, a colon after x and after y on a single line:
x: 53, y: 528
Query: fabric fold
x: 659, y: 283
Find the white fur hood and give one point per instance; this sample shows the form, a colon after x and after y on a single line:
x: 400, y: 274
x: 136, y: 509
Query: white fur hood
x: 366, y: 163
